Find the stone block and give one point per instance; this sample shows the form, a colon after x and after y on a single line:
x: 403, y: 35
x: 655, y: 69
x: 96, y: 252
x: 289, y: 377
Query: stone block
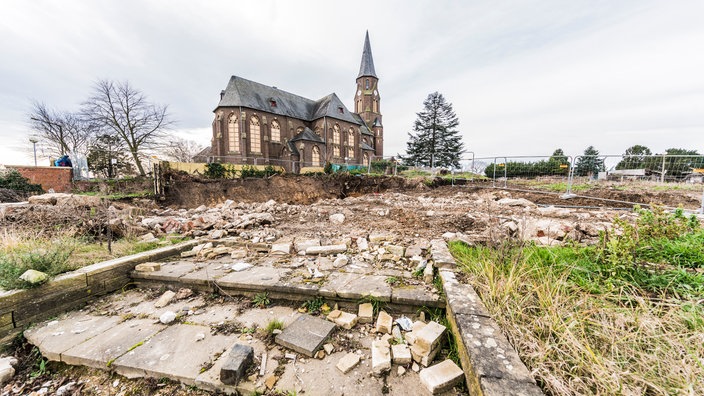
x: 381, y: 357
x: 148, y: 267
x: 401, y: 354
x: 430, y: 335
x: 441, y: 377
x: 348, y: 362
x: 365, y: 313
x: 239, y: 359
x: 302, y: 246
x: 281, y: 248
x: 384, y: 322
x: 326, y: 250
x: 305, y: 335
x: 411, y: 335
x: 377, y: 237
x: 423, y: 357
x: 343, y: 319
x: 362, y: 244
x: 396, y: 250
x: 165, y: 299
x: 428, y: 273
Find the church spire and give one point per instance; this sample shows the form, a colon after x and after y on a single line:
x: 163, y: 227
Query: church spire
x: 366, y: 68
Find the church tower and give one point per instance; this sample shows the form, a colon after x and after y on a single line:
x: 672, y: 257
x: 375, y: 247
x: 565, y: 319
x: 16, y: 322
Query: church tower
x: 367, y: 99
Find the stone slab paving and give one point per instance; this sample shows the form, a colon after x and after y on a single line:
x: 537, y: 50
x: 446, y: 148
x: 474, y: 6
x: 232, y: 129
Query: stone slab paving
x: 306, y: 334
x: 101, y: 350
x: 175, y: 353
x: 58, y: 336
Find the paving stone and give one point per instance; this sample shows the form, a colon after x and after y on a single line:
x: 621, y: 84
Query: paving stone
x: 416, y: 295
x: 384, y: 322
x: 355, y: 286
x: 205, y: 274
x: 401, y: 354
x: 381, y: 357
x: 169, y: 271
x: 326, y: 250
x: 165, y: 299
x: 365, y: 313
x: 173, y: 353
x: 147, y: 267
x: 56, y: 337
x: 441, y: 254
x: 423, y: 357
x: 102, y: 350
x: 441, y: 377
x: 376, y: 237
x: 348, y: 362
x: 281, y: 248
x: 429, y: 273
x: 429, y: 336
x: 238, y: 361
x: 306, y: 334
x: 255, y: 278
x: 303, y: 245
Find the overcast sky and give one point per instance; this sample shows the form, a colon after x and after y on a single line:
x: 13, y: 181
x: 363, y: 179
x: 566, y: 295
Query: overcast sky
x: 524, y: 77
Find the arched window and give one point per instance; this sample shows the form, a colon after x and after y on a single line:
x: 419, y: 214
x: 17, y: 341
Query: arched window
x: 336, y: 140
x: 255, y: 137
x: 275, y: 131
x: 350, y: 143
x: 366, y: 84
x: 359, y: 106
x: 376, y: 106
x: 315, y: 156
x: 233, y: 134
x: 366, y: 159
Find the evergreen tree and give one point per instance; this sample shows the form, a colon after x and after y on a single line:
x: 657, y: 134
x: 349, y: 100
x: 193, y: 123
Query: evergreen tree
x: 589, y: 163
x: 435, y: 140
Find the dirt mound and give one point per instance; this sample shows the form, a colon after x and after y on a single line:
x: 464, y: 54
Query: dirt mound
x: 291, y: 189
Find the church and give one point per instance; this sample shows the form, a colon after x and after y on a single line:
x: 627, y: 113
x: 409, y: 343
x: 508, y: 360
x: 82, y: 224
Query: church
x: 258, y: 124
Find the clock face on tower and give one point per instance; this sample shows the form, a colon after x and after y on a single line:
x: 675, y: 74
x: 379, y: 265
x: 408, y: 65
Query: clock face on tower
x: 359, y: 92
x: 376, y: 93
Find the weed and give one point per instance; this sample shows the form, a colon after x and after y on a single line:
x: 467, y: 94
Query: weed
x: 273, y: 324
x: 622, y: 306
x: 39, y: 368
x: 261, y: 300
x: 314, y: 306
x: 392, y: 280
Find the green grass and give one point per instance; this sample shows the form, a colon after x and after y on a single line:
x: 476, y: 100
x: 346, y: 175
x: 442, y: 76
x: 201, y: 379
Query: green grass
x: 621, y: 317
x: 20, y: 251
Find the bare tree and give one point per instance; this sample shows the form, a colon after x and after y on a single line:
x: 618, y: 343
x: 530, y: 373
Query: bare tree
x: 181, y: 150
x: 126, y: 112
x: 60, y: 132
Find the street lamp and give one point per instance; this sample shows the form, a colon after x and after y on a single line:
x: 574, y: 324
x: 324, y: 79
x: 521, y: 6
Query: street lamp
x: 34, y: 143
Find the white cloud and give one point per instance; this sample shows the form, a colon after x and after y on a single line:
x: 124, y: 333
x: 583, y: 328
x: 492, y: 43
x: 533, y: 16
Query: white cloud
x: 524, y: 77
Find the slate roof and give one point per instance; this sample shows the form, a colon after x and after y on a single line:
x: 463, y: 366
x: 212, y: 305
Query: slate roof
x: 308, y: 135
x: 366, y: 68
x: 247, y: 93
x: 365, y: 146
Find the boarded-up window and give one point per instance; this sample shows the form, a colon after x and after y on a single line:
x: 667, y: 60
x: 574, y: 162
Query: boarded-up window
x: 255, y: 138
x: 233, y: 134
x: 275, y: 131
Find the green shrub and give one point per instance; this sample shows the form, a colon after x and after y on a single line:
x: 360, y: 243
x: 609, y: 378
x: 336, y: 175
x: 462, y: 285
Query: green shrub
x: 215, y: 170
x: 328, y: 168
x: 52, y: 259
x: 13, y: 180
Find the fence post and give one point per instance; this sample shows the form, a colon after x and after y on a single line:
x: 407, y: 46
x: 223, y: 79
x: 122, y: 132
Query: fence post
x: 493, y: 180
x: 701, y: 210
x: 570, y: 177
x: 662, y: 171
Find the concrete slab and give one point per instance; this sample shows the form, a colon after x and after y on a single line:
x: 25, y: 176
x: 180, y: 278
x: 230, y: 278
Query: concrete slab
x: 205, y: 274
x: 56, y: 337
x: 256, y: 278
x: 169, y: 271
x: 306, y: 334
x: 210, y: 379
x: 100, y: 352
x: 174, y: 353
x: 416, y: 295
x: 355, y: 286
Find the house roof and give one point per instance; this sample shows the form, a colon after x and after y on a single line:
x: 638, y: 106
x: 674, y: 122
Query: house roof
x: 365, y: 146
x: 366, y: 68
x: 251, y: 94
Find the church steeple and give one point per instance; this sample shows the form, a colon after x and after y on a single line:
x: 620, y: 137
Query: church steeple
x: 366, y: 68
x: 367, y: 102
